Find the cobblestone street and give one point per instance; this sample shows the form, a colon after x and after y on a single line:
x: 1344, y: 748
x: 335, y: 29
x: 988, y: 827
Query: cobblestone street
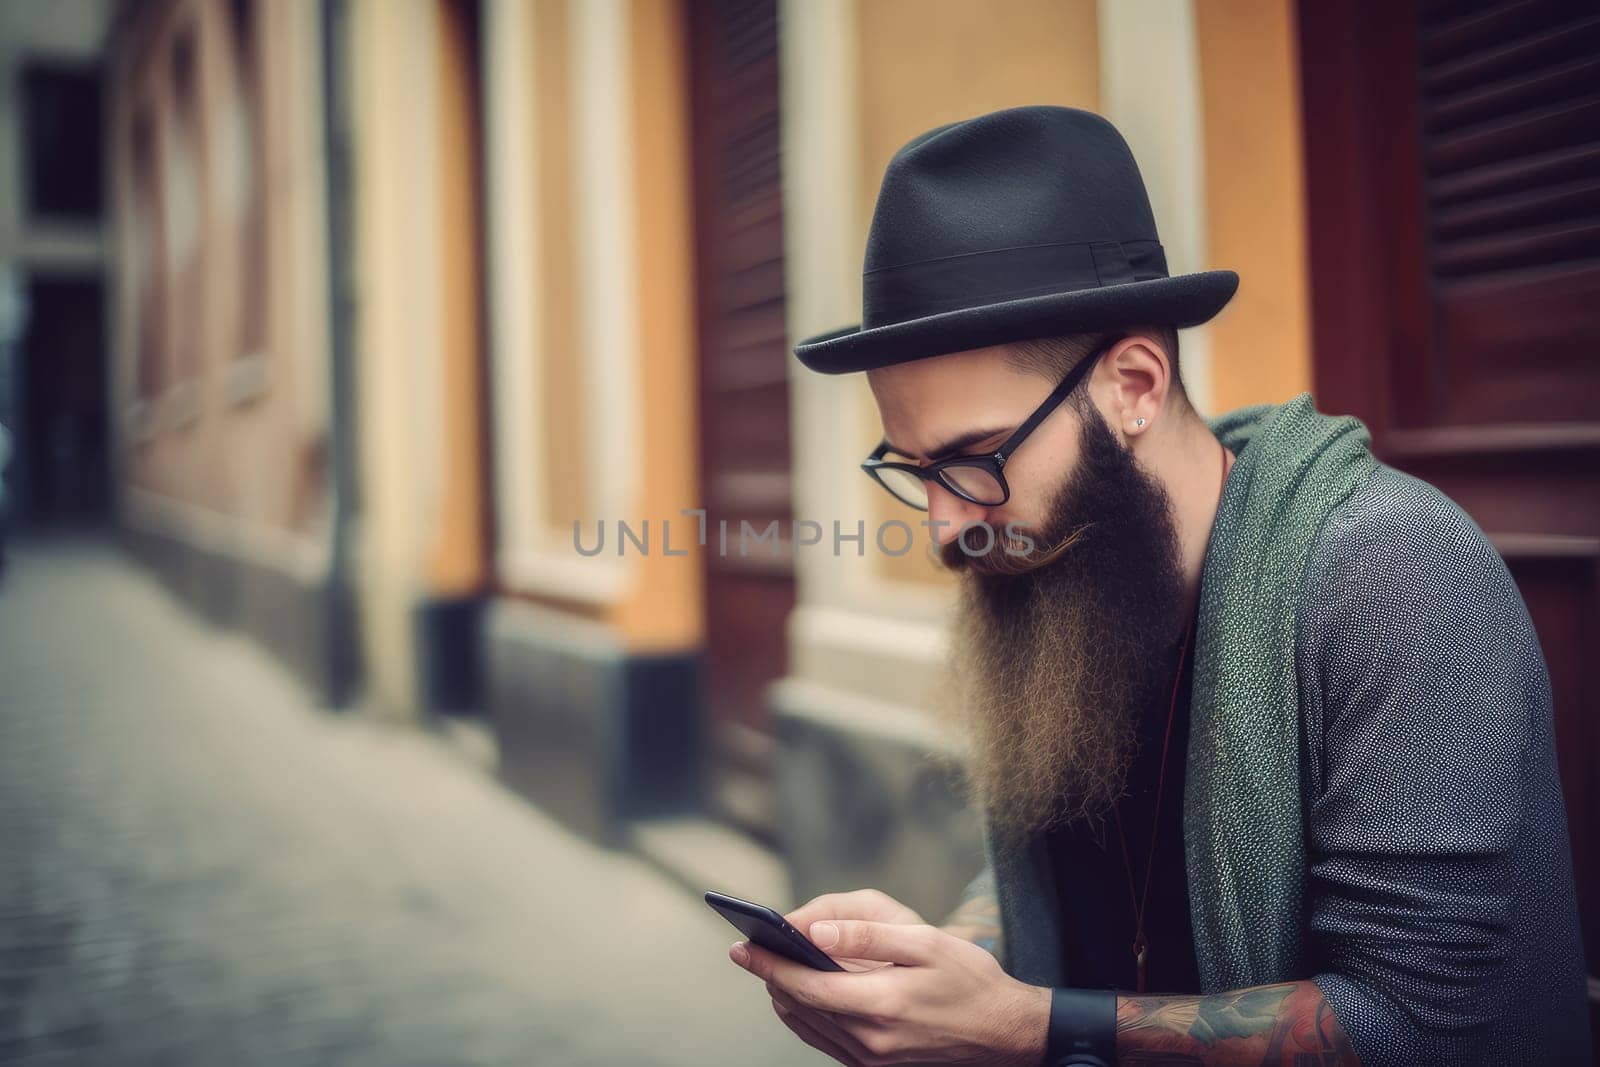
x: 198, y: 867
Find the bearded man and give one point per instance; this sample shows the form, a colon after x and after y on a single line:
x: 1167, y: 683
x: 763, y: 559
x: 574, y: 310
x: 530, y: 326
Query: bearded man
x: 1259, y: 726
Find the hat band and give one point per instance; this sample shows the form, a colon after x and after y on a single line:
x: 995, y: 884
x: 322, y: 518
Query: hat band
x: 952, y: 283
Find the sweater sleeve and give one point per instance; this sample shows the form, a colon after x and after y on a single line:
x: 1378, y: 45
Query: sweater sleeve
x: 1420, y: 677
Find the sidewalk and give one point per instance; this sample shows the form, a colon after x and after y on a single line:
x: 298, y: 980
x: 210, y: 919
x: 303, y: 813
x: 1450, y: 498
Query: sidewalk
x: 200, y: 868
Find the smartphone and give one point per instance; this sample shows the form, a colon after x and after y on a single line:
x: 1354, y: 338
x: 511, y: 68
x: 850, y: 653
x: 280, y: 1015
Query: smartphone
x: 770, y: 930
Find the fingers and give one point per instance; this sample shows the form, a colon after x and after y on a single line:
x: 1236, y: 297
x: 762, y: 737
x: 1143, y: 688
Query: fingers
x: 813, y: 1037
x: 844, y: 1032
x: 849, y: 992
x: 902, y: 943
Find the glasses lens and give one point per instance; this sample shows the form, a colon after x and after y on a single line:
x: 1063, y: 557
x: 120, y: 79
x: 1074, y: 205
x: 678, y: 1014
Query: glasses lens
x: 978, y: 483
x: 907, y: 488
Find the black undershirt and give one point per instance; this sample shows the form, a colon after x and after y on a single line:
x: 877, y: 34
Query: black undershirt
x: 1092, y: 878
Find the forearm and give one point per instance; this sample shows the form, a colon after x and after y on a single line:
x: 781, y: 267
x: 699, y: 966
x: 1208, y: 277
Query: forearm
x: 977, y: 920
x: 1287, y: 1023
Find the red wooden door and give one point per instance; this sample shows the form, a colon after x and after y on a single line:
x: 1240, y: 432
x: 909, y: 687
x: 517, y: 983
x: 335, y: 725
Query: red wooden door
x: 744, y: 398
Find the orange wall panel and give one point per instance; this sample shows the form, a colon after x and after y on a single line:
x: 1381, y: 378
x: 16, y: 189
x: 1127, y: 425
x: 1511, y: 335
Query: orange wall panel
x: 566, y: 465
x: 665, y: 610
x: 459, y: 561
x: 1250, y: 89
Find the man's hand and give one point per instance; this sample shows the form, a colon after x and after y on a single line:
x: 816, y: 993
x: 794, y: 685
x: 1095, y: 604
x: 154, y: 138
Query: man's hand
x: 925, y: 996
x: 872, y: 904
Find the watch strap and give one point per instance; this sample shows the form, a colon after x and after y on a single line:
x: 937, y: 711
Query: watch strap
x: 1083, y: 1028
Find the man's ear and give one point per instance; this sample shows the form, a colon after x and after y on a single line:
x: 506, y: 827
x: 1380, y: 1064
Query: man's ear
x: 1137, y: 380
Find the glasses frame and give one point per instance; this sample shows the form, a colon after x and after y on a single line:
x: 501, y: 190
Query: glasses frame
x: 993, y: 463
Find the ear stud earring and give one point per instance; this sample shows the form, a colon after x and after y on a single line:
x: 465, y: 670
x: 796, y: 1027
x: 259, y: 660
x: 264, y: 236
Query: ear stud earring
x: 1138, y: 422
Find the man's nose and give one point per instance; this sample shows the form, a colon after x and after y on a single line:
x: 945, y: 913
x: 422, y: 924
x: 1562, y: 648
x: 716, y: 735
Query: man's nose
x: 947, y: 513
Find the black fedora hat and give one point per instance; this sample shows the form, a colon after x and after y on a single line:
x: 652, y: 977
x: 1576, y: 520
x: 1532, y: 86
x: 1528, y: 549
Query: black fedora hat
x: 1021, y: 223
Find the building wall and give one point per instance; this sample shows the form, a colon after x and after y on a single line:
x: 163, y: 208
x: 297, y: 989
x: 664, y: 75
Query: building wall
x: 591, y: 309
x: 197, y: 433
x: 394, y: 200
x: 71, y: 32
x: 664, y: 614
x: 524, y: 353
x: 217, y: 192
x: 459, y: 563
x: 591, y: 305
x: 74, y: 31
x: 1255, y: 199
x: 414, y: 77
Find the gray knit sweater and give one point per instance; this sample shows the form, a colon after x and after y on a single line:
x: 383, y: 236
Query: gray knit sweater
x: 1441, y: 917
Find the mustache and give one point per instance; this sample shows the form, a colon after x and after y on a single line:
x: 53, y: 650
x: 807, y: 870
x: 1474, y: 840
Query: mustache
x: 1005, y: 558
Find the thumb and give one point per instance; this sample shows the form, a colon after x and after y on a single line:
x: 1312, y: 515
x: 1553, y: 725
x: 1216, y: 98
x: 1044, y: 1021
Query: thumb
x: 863, y: 939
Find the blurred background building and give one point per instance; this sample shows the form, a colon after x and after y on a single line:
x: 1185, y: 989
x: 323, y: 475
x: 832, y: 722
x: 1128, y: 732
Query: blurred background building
x: 54, y: 400
x: 345, y: 312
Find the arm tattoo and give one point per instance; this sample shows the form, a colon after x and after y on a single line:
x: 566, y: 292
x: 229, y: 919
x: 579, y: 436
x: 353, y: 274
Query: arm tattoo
x: 1289, y: 1024
x: 977, y: 920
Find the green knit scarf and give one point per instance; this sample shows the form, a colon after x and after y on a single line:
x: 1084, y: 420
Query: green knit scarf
x: 1243, y: 835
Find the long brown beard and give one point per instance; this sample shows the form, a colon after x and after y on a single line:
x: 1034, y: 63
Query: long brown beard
x: 1052, y: 667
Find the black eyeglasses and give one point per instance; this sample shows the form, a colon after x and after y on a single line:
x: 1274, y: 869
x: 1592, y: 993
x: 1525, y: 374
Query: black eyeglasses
x: 977, y: 479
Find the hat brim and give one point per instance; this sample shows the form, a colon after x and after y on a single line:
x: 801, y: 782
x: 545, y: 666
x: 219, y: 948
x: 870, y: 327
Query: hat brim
x: 1182, y: 301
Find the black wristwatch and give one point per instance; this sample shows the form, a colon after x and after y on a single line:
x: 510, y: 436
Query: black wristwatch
x: 1083, y: 1028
